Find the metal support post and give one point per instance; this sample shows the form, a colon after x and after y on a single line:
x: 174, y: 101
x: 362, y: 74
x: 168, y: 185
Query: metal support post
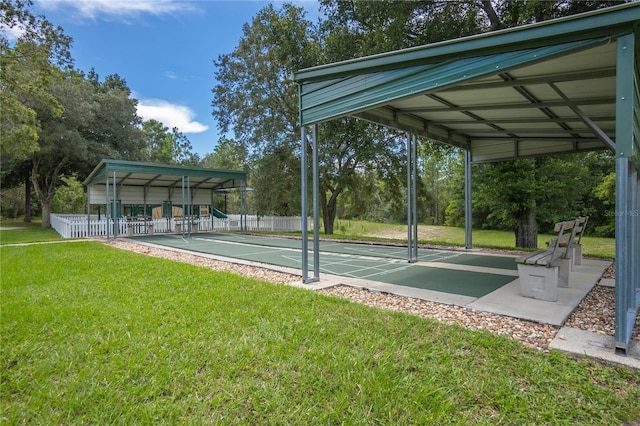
x: 411, y: 200
x: 627, y: 98
x: 468, y: 223
x: 190, y: 218
x: 303, y: 201
x: 183, y: 210
x: 415, y: 198
x: 106, y: 212
x: 634, y: 253
x: 316, y: 217
x: 622, y: 252
x: 88, y: 210
x: 115, y: 206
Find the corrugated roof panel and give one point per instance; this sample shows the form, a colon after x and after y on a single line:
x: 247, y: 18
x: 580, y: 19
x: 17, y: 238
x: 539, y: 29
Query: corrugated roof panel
x: 366, y: 91
x: 138, y: 173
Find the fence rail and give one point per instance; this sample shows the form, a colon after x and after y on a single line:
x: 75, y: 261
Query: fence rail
x: 83, y: 226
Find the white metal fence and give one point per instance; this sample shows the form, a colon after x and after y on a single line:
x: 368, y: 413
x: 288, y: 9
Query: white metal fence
x: 83, y: 226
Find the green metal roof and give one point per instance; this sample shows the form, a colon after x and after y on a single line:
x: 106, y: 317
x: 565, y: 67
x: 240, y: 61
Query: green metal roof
x: 519, y: 92
x: 131, y: 173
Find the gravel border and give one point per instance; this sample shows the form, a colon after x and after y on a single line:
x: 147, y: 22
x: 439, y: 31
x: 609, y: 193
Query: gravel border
x: 594, y: 314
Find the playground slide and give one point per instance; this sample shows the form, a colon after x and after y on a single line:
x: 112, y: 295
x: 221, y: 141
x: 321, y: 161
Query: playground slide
x: 217, y: 213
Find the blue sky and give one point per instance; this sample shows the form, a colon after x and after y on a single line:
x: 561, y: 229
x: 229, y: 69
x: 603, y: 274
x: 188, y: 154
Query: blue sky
x: 163, y: 49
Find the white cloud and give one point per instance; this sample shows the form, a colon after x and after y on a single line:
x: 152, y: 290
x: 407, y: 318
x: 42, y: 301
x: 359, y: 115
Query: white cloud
x: 120, y: 8
x: 171, y: 115
x: 13, y: 33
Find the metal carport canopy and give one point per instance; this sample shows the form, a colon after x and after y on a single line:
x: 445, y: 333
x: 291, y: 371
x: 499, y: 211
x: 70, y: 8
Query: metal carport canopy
x: 135, y: 173
x: 534, y: 90
x: 560, y: 86
x: 139, y: 175
x: 129, y: 182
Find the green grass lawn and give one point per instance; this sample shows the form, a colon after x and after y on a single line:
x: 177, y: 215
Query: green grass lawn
x: 447, y: 235
x: 91, y: 334
x: 26, y: 232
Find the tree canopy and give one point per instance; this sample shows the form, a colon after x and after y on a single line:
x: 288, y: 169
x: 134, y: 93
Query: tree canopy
x: 57, y: 122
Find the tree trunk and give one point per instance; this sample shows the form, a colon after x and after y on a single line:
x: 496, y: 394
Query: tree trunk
x: 329, y: 208
x: 46, y: 189
x: 46, y: 210
x: 527, y: 229
x: 27, y: 198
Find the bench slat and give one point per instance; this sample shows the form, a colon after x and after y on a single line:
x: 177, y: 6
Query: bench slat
x: 535, y: 258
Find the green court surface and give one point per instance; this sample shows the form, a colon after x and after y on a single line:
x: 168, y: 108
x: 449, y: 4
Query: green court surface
x: 386, y: 264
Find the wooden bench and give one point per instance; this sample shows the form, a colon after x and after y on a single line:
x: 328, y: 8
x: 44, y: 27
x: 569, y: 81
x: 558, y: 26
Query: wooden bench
x: 575, y: 239
x: 542, y: 272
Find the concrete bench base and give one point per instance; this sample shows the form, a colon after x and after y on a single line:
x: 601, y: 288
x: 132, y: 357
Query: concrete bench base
x: 577, y: 254
x: 542, y: 282
x: 539, y: 282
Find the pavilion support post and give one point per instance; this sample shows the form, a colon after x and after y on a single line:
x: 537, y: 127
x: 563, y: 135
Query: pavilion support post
x: 245, y: 204
x: 88, y: 211
x: 144, y: 206
x: 409, y: 210
x: 316, y: 216
x: 624, y: 287
x: 184, y: 211
x: 190, y: 206
x: 114, y: 212
x: 634, y: 216
x: 468, y: 215
x: 303, y: 200
x: 315, y: 191
x: 412, y: 224
x: 626, y: 212
x: 243, y: 213
x: 415, y: 197
x: 106, y: 206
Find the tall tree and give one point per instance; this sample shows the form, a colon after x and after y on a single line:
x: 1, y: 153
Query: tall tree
x: 167, y: 146
x: 31, y: 49
x: 348, y: 148
x: 229, y: 155
x: 257, y: 99
x: 116, y: 125
x: 99, y: 121
x: 61, y: 142
x: 528, y: 194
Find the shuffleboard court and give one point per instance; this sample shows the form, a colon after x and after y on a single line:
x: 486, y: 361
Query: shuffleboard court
x: 467, y: 274
x: 365, y: 250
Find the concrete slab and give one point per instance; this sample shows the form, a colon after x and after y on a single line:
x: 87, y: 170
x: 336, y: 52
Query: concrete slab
x: 594, y: 345
x: 508, y: 300
x: 400, y: 290
x: 463, y: 267
x: 608, y: 282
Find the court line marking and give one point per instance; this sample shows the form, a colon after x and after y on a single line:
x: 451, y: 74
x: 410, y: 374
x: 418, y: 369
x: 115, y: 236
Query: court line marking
x: 379, y: 262
x: 381, y: 267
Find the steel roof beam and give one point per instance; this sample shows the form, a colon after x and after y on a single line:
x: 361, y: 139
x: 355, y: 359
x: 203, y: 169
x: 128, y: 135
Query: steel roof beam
x: 585, y: 118
x: 473, y: 116
x: 510, y: 106
x: 524, y: 92
x: 525, y: 120
x: 608, y: 72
